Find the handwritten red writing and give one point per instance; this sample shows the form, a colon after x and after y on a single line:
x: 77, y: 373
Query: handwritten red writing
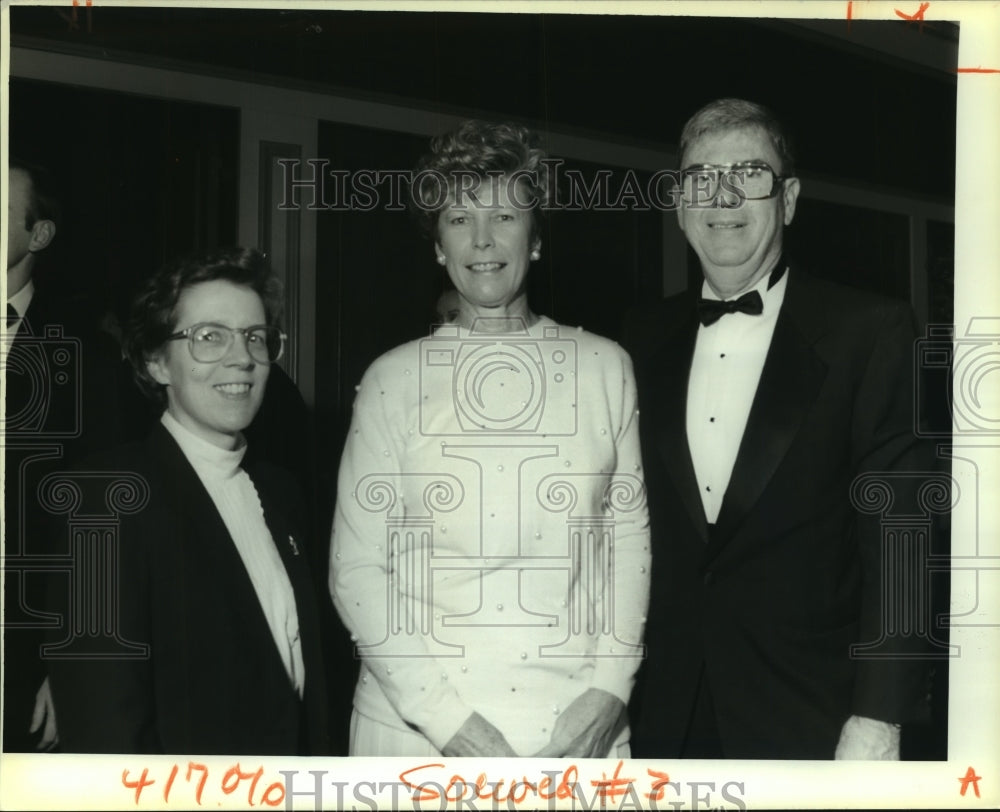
x: 459, y: 788
x: 614, y: 787
x: 659, y: 782
x: 970, y: 777
x: 272, y: 795
x: 918, y: 16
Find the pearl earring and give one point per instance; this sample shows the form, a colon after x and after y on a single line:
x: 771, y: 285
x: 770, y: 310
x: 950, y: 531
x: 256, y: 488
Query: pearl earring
x: 441, y: 259
x: 536, y: 254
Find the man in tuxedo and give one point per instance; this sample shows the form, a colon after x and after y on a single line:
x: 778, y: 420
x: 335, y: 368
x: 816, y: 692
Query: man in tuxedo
x: 760, y: 406
x: 63, y: 385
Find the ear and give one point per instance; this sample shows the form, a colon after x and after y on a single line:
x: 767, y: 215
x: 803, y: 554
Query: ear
x: 789, y: 196
x: 680, y: 215
x: 537, y: 244
x: 157, y: 368
x: 42, y: 233
x: 438, y: 253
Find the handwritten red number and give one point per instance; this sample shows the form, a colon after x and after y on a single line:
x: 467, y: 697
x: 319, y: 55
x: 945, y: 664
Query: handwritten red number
x: 170, y: 783
x: 201, y: 783
x: 229, y: 786
x: 970, y: 777
x: 267, y: 799
x: 662, y: 779
x: 143, y: 782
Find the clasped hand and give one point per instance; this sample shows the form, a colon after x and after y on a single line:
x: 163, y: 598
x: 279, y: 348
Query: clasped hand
x: 586, y: 729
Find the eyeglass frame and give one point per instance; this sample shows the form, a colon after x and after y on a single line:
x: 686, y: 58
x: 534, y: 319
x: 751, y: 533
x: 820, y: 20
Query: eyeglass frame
x: 188, y: 333
x: 777, y: 180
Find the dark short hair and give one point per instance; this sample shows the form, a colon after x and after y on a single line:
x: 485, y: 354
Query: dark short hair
x: 485, y: 150
x: 153, y: 318
x: 736, y: 114
x: 43, y: 203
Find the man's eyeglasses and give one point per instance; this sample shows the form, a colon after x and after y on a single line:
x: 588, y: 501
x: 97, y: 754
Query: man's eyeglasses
x: 749, y: 180
x: 210, y: 342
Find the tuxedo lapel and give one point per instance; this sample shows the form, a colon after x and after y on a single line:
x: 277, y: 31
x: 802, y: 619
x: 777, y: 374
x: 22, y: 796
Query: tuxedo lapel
x: 790, y: 381
x: 670, y: 372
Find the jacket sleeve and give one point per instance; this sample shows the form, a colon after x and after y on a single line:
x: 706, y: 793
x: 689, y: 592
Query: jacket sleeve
x: 891, y: 682
x: 361, y: 577
x: 104, y: 696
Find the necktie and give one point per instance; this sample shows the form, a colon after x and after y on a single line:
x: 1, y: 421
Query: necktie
x: 11, y: 322
x: 711, y: 310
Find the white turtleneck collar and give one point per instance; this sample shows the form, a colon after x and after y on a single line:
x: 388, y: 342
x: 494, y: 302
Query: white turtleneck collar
x: 238, y: 503
x: 210, y: 461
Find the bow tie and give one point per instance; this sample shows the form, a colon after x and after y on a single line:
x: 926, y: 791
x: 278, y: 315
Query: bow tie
x: 711, y: 310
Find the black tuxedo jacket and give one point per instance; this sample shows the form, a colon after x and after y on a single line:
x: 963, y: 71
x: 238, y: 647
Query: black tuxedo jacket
x: 213, y: 682
x: 770, y: 600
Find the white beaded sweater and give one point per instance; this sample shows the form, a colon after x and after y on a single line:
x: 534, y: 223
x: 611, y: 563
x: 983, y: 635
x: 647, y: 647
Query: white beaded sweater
x: 490, y: 548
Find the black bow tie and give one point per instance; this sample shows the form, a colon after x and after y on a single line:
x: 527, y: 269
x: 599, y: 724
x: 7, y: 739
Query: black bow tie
x: 711, y: 310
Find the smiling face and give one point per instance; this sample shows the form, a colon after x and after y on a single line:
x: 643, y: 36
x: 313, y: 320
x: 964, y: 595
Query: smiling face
x: 214, y: 401
x: 737, y: 246
x: 485, y: 240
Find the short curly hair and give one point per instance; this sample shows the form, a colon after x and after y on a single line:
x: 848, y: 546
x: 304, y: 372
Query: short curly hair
x: 737, y: 114
x: 153, y: 318
x: 479, y: 149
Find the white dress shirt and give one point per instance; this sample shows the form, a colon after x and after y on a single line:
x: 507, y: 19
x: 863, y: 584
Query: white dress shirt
x: 238, y: 503
x: 728, y: 359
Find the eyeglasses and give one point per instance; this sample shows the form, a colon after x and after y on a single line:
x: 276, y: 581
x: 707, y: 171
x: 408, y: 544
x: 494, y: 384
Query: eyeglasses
x: 210, y: 342
x: 749, y: 180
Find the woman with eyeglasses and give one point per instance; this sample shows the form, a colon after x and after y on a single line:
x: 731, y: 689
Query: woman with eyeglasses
x: 213, y: 645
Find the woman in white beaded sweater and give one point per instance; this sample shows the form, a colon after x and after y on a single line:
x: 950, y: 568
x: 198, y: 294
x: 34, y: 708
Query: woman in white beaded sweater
x: 490, y: 552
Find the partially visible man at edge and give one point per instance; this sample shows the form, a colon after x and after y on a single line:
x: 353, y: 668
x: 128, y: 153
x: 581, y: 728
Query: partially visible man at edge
x: 64, y: 385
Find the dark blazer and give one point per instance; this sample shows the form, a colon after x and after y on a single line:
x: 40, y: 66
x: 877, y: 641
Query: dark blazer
x: 213, y: 682
x: 63, y: 384
x: 770, y: 601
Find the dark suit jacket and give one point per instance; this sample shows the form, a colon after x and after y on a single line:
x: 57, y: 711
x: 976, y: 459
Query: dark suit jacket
x: 213, y: 682
x: 63, y: 383
x: 791, y: 576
